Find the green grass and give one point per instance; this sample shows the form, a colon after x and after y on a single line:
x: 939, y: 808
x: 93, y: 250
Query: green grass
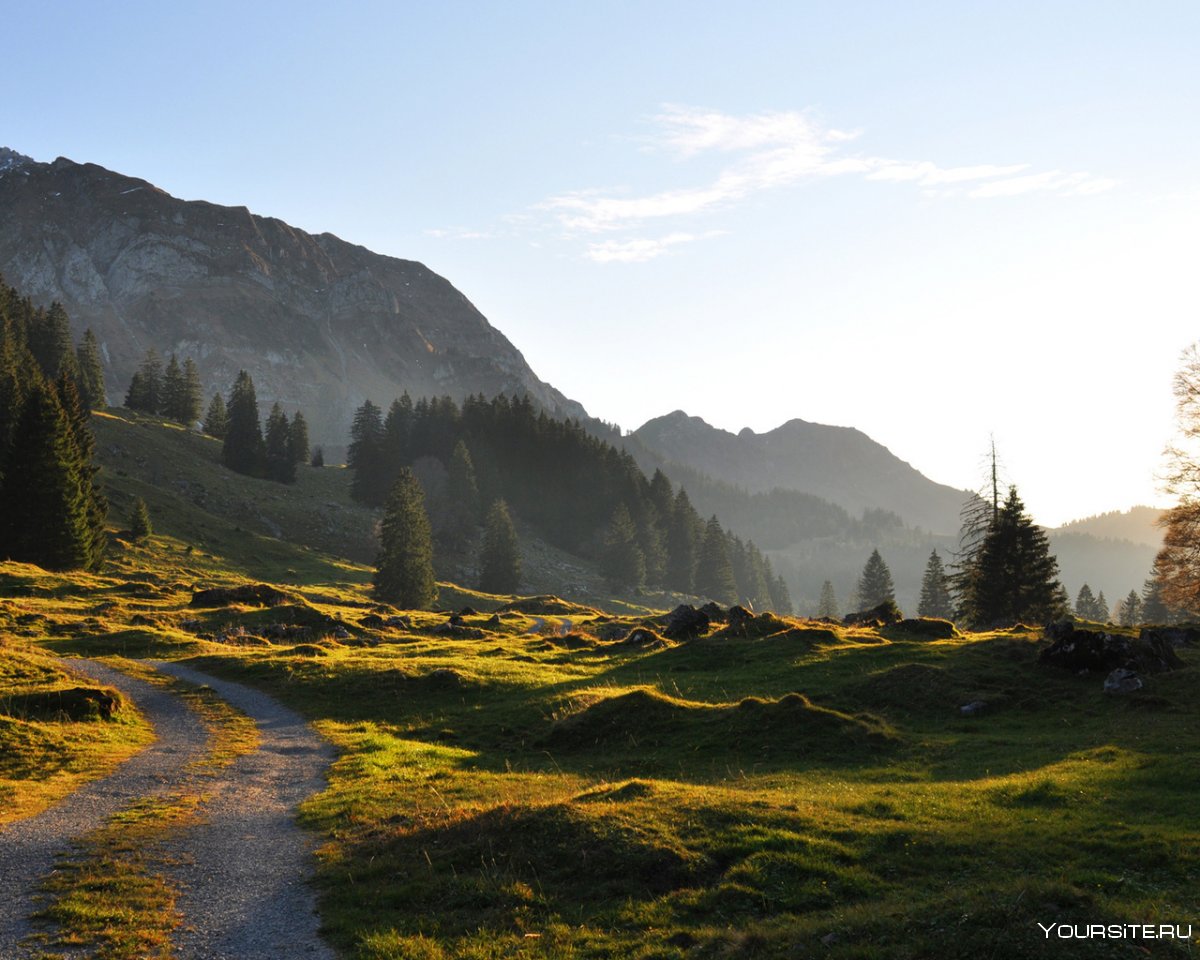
x: 814, y: 791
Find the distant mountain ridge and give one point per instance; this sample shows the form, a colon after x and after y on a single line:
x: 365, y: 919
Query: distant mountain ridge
x: 321, y: 324
x: 839, y: 464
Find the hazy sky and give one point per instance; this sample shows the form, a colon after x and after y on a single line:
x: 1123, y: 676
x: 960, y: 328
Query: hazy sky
x: 930, y: 221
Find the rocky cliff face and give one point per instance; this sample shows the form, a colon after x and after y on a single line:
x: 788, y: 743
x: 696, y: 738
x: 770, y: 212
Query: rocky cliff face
x: 839, y: 464
x: 320, y: 324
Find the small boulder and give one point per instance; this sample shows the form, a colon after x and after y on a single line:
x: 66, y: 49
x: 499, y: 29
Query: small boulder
x: 713, y: 611
x: 973, y: 708
x: 1122, y: 681
x: 685, y: 622
x: 372, y: 620
x: 468, y: 612
x: 883, y: 615
x: 1089, y: 651
x: 1175, y: 636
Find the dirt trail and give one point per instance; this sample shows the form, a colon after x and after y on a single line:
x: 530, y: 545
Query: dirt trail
x: 28, y: 847
x: 243, y: 868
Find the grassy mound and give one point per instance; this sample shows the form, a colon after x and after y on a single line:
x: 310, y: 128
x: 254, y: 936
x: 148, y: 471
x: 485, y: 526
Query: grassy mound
x: 643, y: 720
x: 547, y: 605
x: 921, y: 628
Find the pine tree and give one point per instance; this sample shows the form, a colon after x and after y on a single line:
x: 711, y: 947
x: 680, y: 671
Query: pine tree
x: 781, y: 597
x: 1016, y: 577
x: 244, y: 450
x: 875, y: 585
x: 365, y: 456
x: 622, y: 561
x: 714, y: 569
x: 404, y: 566
x: 216, y: 420
x: 1129, y: 613
x: 682, y: 539
x: 318, y: 457
x: 827, y: 606
x: 172, y: 403
x: 146, y: 387
x: 462, y: 494
x: 191, y: 395
x: 50, y: 342
x: 139, y: 520
x: 298, y: 447
x: 936, y: 600
x: 1154, y: 607
x: 96, y: 504
x: 46, y: 478
x: 653, y: 545
x: 1102, y: 612
x: 500, y: 558
x: 1085, y: 604
x: 91, y: 372
x: 281, y: 467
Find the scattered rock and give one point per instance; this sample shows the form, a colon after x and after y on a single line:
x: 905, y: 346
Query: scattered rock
x: 450, y: 629
x: 883, y: 615
x: 1088, y: 651
x: 494, y: 621
x: 739, y: 616
x: 1122, y: 681
x: 400, y: 623
x: 1175, y: 636
x: 972, y: 708
x: 372, y: 620
x: 925, y: 628
x: 713, y: 611
x: 286, y: 631
x: 73, y: 703
x: 468, y: 612
x: 444, y: 676
x: 456, y: 621
x: 341, y: 633
x: 642, y: 637
x: 192, y: 626
x: 685, y: 622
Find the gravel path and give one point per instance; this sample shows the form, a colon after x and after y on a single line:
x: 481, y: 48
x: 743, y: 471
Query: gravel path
x: 28, y: 847
x: 243, y: 873
x: 242, y: 870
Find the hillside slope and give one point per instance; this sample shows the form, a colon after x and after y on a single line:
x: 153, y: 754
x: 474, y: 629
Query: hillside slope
x: 320, y: 323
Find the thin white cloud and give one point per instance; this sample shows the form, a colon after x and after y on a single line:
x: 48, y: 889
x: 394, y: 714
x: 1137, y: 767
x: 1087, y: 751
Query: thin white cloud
x: 767, y: 151
x: 641, y: 249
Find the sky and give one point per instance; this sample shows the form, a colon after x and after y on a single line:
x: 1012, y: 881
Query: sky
x: 937, y: 222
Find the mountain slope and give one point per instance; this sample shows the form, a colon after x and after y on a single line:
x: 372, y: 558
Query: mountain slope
x: 839, y: 464
x: 320, y: 324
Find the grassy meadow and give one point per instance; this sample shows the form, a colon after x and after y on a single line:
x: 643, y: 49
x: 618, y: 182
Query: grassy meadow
x: 536, y: 782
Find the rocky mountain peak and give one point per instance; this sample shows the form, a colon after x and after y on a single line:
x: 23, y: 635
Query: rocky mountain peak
x: 11, y: 160
x: 321, y: 324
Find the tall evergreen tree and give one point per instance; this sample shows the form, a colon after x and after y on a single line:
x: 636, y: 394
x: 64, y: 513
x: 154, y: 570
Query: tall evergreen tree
x: 682, y: 540
x: 91, y: 372
x: 244, y: 450
x: 1102, y: 612
x: 216, y: 420
x: 45, y: 477
x: 875, y: 583
x: 404, y: 566
x: 827, y: 605
x: 462, y: 494
x: 1085, y: 604
x: 172, y: 401
x: 500, y: 558
x: 1017, y: 577
x: 85, y: 445
x: 190, y: 397
x: 622, y: 561
x: 1129, y: 613
x: 49, y: 338
x: 781, y: 597
x: 365, y: 456
x: 280, y: 466
x: 1154, y: 607
x: 298, y: 448
x: 936, y: 600
x: 714, y: 569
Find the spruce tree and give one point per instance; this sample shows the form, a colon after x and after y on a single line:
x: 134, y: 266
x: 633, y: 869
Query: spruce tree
x: 139, y: 520
x: 1016, y: 576
x: 45, y: 478
x: 216, y: 420
x: 1102, y: 612
x: 827, y: 606
x: 190, y: 396
x: 85, y: 444
x: 243, y: 451
x: 462, y: 496
x: 500, y: 558
x: 146, y: 388
x: 1129, y: 613
x: 936, y: 600
x: 298, y: 447
x: 781, y: 597
x: 622, y: 561
x: 365, y: 456
x: 280, y: 466
x: 49, y: 338
x: 682, y: 540
x: 318, y: 458
x: 172, y: 402
x: 404, y: 566
x: 875, y: 585
x: 714, y: 570
x: 1085, y: 604
x: 91, y: 372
